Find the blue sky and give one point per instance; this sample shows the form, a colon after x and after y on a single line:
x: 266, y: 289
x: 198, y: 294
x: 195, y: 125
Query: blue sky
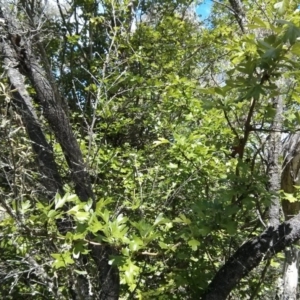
x: 204, y: 8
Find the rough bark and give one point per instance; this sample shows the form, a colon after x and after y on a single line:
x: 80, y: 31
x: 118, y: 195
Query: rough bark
x: 290, y: 178
x: 109, y: 275
x: 290, y: 173
x: 239, y: 14
x: 59, y: 123
x: 50, y: 177
x: 275, y: 148
x: 290, y: 274
x: 49, y: 99
x: 249, y: 256
x: 45, y: 159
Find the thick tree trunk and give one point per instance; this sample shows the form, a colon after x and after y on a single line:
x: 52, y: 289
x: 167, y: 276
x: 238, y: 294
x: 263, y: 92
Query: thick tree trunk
x: 50, y: 177
x: 59, y: 123
x: 22, y: 59
x: 45, y: 159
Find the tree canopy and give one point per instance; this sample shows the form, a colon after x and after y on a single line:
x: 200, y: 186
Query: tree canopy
x: 147, y: 153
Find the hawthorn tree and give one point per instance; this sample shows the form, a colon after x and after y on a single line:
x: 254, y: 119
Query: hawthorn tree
x: 143, y: 151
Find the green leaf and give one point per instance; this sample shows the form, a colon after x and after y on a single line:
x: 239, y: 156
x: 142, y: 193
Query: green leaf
x: 53, y: 214
x: 62, y: 260
x: 163, y: 245
x: 231, y: 227
x: 79, y: 248
x: 25, y: 205
x: 105, y: 215
x: 160, y: 219
x: 136, y: 244
x: 291, y: 34
x: 81, y: 272
x: 95, y: 225
x: 281, y: 6
x: 71, y: 197
x: 257, y: 22
x: 208, y: 91
x: 143, y: 227
x: 182, y: 219
x: 194, y: 244
x: 73, y: 39
x: 296, y: 49
x: 81, y: 216
x: 274, y: 264
x: 88, y: 205
x: 59, y: 202
x: 130, y: 272
x: 290, y: 197
x: 101, y: 204
x: 272, y: 53
x: 160, y: 141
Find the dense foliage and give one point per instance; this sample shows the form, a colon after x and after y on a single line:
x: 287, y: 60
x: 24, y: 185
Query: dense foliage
x: 175, y: 119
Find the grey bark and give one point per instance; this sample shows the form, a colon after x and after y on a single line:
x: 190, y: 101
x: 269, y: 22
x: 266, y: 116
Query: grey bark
x: 250, y: 254
x: 45, y: 159
x: 275, y: 146
x: 49, y: 99
x: 239, y: 13
x: 59, y: 123
x: 290, y: 274
x: 50, y: 177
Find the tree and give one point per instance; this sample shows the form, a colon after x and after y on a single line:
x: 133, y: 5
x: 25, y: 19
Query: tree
x: 142, y: 150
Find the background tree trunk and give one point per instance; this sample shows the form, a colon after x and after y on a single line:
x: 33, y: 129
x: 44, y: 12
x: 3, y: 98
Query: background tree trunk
x: 275, y: 146
x: 290, y: 179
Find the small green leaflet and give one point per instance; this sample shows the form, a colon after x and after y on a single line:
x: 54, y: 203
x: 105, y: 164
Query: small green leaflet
x: 194, y: 244
x: 281, y: 6
x: 290, y: 197
x: 296, y: 49
x: 62, y: 260
x: 160, y: 141
x: 182, y: 219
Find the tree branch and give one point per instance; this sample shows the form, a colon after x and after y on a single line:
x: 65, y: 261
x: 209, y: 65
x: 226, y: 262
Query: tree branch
x: 249, y: 256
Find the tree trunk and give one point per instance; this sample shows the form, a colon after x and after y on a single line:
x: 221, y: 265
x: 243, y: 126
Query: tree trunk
x: 274, y: 163
x: 20, y: 58
x: 290, y: 178
x: 290, y: 273
x: 45, y: 159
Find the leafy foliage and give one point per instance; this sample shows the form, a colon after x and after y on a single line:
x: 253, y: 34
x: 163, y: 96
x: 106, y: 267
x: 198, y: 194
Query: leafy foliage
x: 173, y: 120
